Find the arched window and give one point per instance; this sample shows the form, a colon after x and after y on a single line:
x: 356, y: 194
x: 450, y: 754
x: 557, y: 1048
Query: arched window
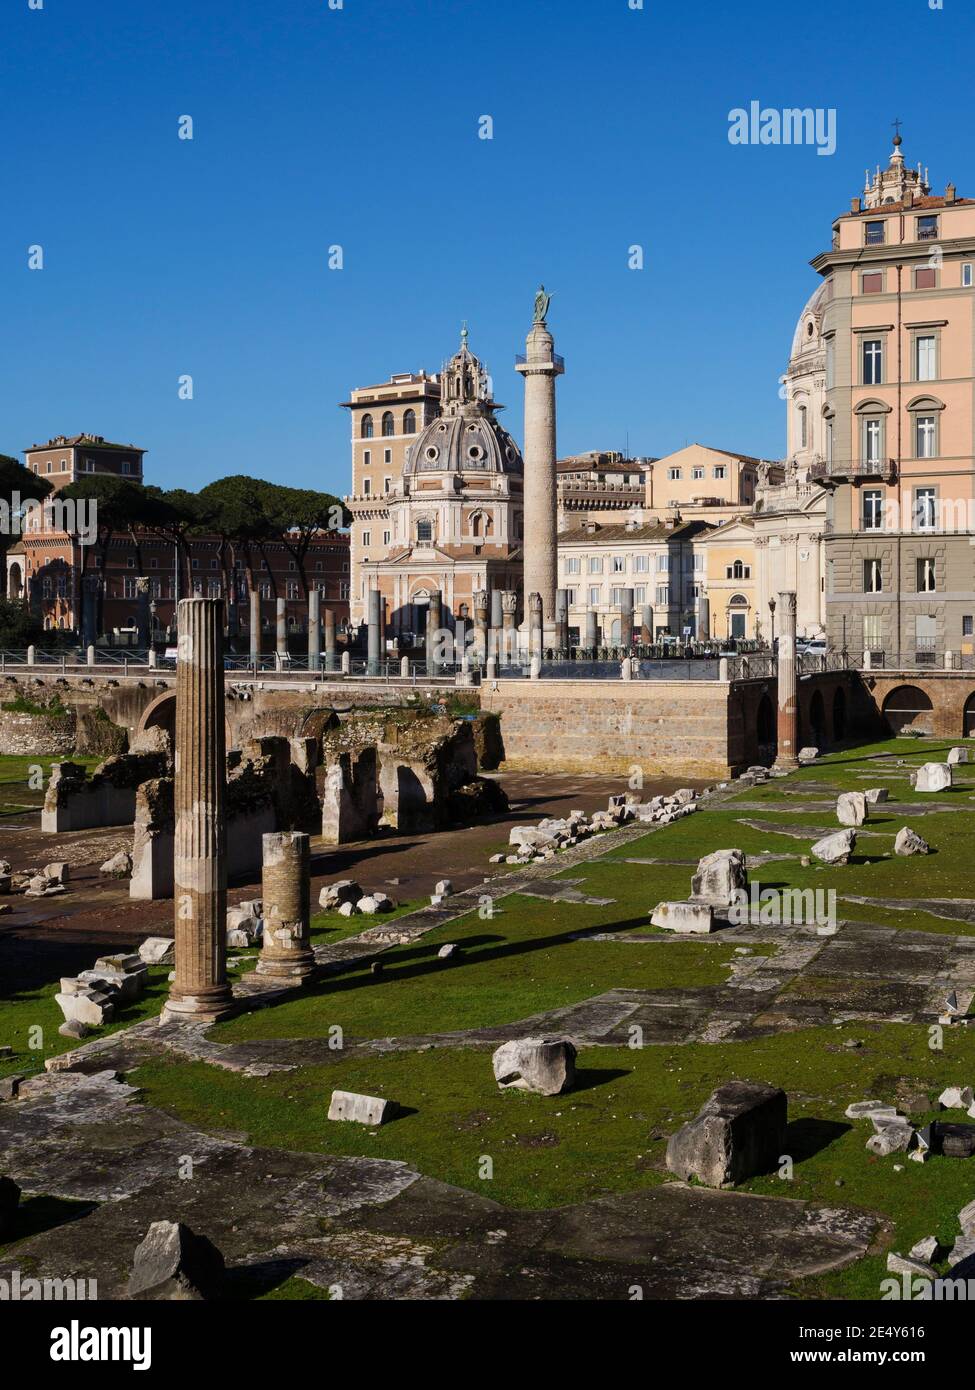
x: 367, y: 427
x: 476, y: 524
x: 409, y: 422
x: 803, y: 431
x: 387, y: 424
x: 739, y: 570
x: 424, y: 531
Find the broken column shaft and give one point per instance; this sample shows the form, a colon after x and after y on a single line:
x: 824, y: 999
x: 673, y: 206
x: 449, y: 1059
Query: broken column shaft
x: 286, y: 950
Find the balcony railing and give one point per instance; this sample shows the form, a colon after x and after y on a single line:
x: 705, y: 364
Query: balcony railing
x: 885, y: 468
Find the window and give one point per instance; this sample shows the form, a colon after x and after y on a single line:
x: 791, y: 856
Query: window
x: 927, y: 229
x: 367, y: 457
x: 619, y: 564
x: 873, y: 510
x: 873, y: 631
x: 214, y: 587
x: 873, y: 362
x: 387, y: 484
x: 387, y: 537
x: 966, y: 275
x: 873, y: 580
x: 872, y: 282
x: 595, y: 564
x: 699, y: 561
x: 673, y: 474
x: 366, y: 487
x: 872, y: 440
x: 739, y: 570
x: 640, y: 595
x: 925, y: 278
x: 925, y: 576
x: 387, y: 424
x: 663, y: 593
x: 829, y: 439
x: 616, y: 597
x: 387, y: 456
x: 873, y: 234
x: 641, y: 563
x: 925, y: 508
x: 409, y: 422
x: 924, y: 437
x: 292, y: 588
x: 697, y: 472
x: 968, y: 625
x: 720, y: 471
x: 830, y: 363
x: 366, y: 427
x: 366, y: 537
x: 594, y: 593
x: 803, y: 433
x: 424, y: 531
x: 663, y: 564
x: 924, y: 357
x: 573, y: 565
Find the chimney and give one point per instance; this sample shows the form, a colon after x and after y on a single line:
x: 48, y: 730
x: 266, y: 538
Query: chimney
x: 854, y: 204
x: 950, y: 193
x: 909, y: 197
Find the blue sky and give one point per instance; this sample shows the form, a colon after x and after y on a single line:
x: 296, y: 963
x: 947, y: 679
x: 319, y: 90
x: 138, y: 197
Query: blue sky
x: 359, y: 127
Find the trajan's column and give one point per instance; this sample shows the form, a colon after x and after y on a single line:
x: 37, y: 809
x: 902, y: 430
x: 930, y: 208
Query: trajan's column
x: 540, y: 367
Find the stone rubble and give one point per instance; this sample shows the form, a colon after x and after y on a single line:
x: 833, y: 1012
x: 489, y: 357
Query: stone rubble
x: 544, y: 1066
x: 907, y: 842
x: 173, y: 1263
x: 739, y: 1133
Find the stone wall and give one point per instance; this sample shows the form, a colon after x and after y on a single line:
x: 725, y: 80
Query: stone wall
x: 73, y: 801
x: 607, y: 726
x: 37, y: 735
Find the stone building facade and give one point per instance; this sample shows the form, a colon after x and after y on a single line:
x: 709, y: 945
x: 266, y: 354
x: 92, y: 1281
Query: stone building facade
x: 898, y: 323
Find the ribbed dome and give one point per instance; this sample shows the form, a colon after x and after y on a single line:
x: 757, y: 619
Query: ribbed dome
x: 802, y: 339
x: 465, y: 437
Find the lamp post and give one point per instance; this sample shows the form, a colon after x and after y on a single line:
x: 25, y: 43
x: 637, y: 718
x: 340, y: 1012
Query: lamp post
x: 771, y: 609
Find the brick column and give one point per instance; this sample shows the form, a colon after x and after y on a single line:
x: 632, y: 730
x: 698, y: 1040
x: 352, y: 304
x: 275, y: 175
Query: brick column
x: 286, y: 951
x: 200, y: 990
x: 788, y: 715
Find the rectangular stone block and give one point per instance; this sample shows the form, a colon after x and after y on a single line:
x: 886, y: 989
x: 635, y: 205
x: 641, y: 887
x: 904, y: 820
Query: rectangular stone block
x: 693, y: 918
x: 739, y: 1133
x: 362, y: 1110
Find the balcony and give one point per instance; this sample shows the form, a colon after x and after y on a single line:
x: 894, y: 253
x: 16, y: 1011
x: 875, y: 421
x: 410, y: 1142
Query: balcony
x: 852, y: 470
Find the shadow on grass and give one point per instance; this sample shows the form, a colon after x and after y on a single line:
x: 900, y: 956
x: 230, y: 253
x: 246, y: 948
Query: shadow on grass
x: 588, y: 1078
x: 808, y: 1137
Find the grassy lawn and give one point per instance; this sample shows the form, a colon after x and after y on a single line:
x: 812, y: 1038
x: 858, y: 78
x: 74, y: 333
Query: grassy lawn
x: 19, y: 789
x: 526, y: 956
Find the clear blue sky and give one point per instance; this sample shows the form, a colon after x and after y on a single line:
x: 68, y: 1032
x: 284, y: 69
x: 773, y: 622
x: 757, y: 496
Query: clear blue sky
x: 359, y: 127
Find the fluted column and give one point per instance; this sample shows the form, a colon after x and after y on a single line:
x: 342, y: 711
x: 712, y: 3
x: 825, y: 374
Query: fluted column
x: 626, y: 619
x: 788, y: 714
x: 200, y: 990
x: 286, y: 950
x: 509, y: 612
x: 539, y: 369
x: 329, y: 639
x: 314, y: 628
x: 281, y: 643
x: 255, y: 626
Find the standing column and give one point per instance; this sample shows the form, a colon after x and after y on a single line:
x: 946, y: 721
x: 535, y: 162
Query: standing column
x: 536, y: 635
x: 592, y: 630
x: 647, y: 620
x: 143, y: 592
x: 509, y: 612
x: 433, y: 634
x: 626, y: 619
x: 281, y: 643
x: 286, y: 949
x: 562, y: 620
x: 200, y: 990
x: 788, y: 720
x: 481, y: 624
x: 89, y: 610
x: 540, y: 368
x: 329, y: 639
x: 314, y: 628
x: 255, y: 622
x: 374, y: 601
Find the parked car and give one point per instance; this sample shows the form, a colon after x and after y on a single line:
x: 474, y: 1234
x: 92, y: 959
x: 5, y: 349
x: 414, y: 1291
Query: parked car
x: 811, y: 646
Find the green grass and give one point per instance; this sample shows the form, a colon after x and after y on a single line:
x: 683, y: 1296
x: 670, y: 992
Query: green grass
x: 21, y: 789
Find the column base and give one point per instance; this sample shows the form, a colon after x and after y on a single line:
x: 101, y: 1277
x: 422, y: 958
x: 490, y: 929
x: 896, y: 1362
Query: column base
x: 296, y: 968
x: 208, y: 1007
x: 786, y: 764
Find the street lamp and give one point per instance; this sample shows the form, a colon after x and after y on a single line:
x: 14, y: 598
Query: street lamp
x: 771, y: 609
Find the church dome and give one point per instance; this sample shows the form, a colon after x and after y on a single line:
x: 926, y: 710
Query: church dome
x: 466, y: 437
x: 809, y: 327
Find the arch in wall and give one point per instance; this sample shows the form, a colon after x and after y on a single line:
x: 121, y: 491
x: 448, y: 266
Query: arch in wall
x: 839, y: 714
x: 817, y: 719
x: 15, y: 581
x: 908, y: 707
x: 765, y: 722
x: 968, y: 717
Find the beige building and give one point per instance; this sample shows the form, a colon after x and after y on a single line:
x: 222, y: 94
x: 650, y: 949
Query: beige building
x: 659, y: 561
x: 385, y: 419
x: 703, y: 484
x: 899, y: 422
x: 600, y: 486
x: 443, y: 510
x: 729, y: 581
